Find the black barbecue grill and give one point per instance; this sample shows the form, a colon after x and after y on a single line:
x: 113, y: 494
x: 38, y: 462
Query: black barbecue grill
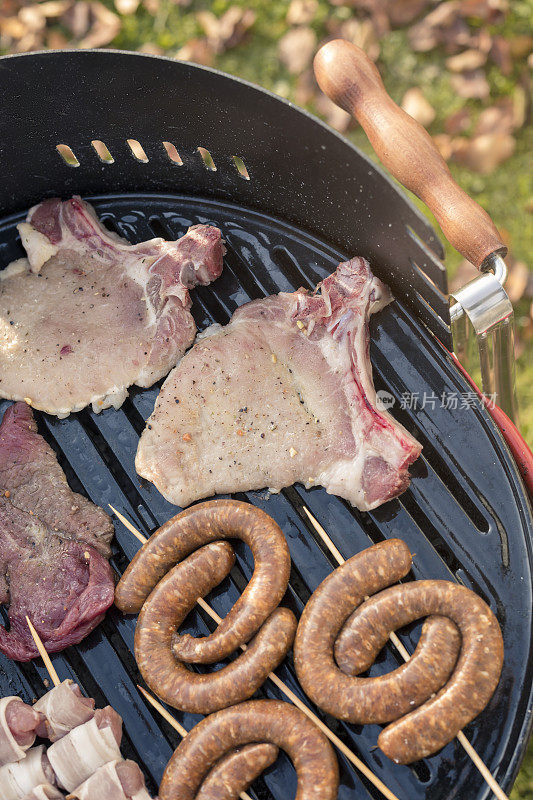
x: 292, y: 199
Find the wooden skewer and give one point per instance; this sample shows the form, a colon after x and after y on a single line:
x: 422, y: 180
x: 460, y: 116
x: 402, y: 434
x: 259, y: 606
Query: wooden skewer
x: 164, y: 713
x: 307, y: 711
x: 55, y: 680
x: 470, y: 750
x: 173, y: 722
x: 44, y: 655
x: 358, y: 764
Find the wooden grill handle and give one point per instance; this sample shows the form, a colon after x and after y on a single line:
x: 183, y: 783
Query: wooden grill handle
x: 352, y: 81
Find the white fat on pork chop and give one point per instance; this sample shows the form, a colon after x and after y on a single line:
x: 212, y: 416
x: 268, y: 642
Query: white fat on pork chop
x: 87, y: 314
x: 282, y: 394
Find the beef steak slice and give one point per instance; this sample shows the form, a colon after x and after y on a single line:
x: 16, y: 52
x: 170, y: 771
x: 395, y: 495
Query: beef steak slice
x: 62, y: 585
x: 34, y: 482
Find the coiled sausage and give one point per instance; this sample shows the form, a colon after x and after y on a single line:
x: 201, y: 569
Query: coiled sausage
x: 235, y: 772
x: 343, y: 696
x: 474, y: 679
x: 164, y: 611
x: 471, y: 628
x: 255, y: 721
x: 197, y: 526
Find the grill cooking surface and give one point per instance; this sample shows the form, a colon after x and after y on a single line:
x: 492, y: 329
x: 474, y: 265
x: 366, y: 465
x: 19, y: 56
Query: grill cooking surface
x: 463, y: 516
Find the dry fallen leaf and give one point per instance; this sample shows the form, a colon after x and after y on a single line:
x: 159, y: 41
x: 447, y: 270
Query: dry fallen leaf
x: 334, y: 116
x: 127, y: 6
x: 104, y: 26
x: 482, y: 40
x: 30, y: 41
x: 9, y: 7
x: 443, y: 143
x: 499, y: 118
x: 483, y: 153
x: 54, y: 8
x: 375, y: 11
x: 403, y: 12
x: 466, y: 61
x: 228, y: 30
x: 363, y: 33
x: 32, y: 19
x: 500, y: 53
x: 472, y: 84
x: 301, y: 12
x: 379, y: 16
x: 77, y: 18
x: 434, y: 28
x: 415, y: 104
x: 23, y: 27
x: 57, y: 40
x: 296, y: 49
x: 11, y: 28
x: 517, y: 279
x: 486, y: 10
x: 197, y: 50
x: 458, y: 122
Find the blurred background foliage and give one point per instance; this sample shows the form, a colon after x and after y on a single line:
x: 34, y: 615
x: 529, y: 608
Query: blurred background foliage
x: 463, y: 68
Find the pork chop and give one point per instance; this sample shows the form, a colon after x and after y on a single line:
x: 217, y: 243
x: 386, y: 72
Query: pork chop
x: 32, y: 479
x: 86, y: 314
x: 281, y: 394
x: 63, y: 585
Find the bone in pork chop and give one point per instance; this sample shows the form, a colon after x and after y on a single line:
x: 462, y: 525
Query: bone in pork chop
x: 281, y: 394
x: 86, y: 314
x: 33, y: 480
x: 50, y: 567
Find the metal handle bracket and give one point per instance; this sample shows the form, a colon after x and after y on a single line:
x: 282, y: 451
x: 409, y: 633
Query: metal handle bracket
x: 482, y: 321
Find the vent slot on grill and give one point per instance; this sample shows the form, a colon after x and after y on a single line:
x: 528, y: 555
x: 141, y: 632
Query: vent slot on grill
x: 67, y: 155
x: 102, y: 151
x: 138, y: 150
x: 173, y: 154
x: 207, y: 158
x: 241, y: 168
